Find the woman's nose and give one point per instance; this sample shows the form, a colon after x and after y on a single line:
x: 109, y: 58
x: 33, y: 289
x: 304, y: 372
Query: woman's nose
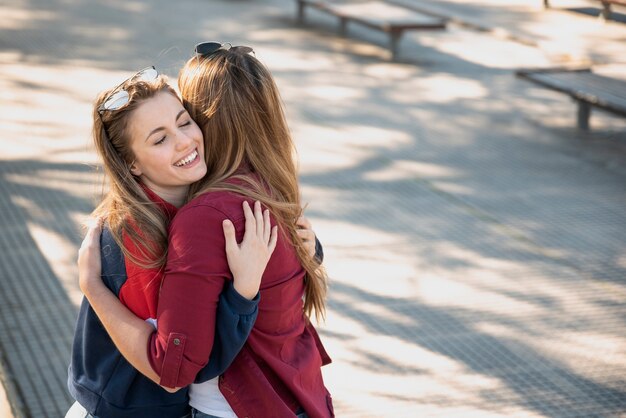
x: 183, y: 140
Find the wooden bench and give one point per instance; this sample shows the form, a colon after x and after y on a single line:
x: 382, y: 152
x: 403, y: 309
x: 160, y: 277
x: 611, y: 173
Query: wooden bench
x: 388, y: 18
x: 606, y: 6
x: 585, y: 87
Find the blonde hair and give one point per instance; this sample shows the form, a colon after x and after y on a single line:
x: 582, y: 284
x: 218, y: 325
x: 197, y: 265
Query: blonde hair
x: 235, y: 101
x: 126, y: 206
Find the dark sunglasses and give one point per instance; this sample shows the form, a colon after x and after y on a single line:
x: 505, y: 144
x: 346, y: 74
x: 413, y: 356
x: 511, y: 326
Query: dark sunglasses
x: 120, y: 97
x: 205, y: 49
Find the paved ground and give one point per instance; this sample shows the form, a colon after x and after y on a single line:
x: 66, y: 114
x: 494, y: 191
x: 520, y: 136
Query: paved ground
x: 476, y: 240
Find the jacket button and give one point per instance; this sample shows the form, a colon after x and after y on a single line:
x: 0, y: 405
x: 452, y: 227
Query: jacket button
x: 176, y: 341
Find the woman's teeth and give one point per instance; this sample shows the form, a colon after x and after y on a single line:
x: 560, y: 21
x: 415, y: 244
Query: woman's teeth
x: 191, y: 157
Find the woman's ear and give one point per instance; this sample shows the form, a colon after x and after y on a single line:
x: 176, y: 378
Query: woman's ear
x: 135, y: 169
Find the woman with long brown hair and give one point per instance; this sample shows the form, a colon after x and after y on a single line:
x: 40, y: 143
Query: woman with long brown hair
x: 249, y: 154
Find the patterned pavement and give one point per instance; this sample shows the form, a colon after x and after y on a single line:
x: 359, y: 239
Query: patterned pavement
x: 476, y: 241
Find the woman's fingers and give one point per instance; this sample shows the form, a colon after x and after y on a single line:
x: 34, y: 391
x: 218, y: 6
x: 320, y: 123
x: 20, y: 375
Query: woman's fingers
x: 250, y: 220
x: 267, y: 226
x: 258, y: 216
x: 92, y: 237
x: 229, y: 236
x: 89, y: 264
x: 273, y: 239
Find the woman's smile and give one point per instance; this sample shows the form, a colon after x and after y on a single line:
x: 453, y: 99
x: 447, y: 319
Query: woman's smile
x: 189, y: 160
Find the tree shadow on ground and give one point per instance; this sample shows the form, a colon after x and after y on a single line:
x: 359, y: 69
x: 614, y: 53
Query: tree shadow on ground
x: 541, y: 383
x: 37, y: 316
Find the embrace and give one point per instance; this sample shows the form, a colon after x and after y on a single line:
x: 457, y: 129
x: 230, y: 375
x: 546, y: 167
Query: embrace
x: 200, y: 272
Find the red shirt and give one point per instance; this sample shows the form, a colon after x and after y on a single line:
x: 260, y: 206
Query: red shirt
x: 279, y: 367
x: 140, y: 292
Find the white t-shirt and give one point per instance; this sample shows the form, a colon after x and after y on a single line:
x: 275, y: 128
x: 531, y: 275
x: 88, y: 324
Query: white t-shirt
x: 206, y: 397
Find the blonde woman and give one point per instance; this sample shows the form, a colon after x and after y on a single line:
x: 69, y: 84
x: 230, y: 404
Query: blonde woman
x: 249, y: 155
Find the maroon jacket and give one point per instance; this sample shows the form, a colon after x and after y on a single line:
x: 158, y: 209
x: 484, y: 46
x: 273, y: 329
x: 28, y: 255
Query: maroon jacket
x: 279, y: 367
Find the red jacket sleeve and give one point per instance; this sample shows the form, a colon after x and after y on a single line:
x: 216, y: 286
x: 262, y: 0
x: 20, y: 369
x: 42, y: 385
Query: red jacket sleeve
x: 196, y: 272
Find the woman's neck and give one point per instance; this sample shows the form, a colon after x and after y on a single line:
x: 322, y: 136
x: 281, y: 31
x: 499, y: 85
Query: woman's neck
x: 173, y: 195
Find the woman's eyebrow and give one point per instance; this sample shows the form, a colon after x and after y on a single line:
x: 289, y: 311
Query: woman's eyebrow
x: 162, y: 128
x: 181, y: 113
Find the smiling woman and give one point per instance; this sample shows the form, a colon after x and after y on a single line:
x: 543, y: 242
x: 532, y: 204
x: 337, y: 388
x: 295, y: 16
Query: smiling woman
x: 141, y: 130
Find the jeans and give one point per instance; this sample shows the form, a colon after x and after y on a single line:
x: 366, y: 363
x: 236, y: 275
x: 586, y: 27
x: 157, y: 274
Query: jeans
x: 197, y: 414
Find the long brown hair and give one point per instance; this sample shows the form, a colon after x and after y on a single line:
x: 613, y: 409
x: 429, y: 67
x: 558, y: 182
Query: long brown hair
x: 235, y: 101
x: 126, y: 206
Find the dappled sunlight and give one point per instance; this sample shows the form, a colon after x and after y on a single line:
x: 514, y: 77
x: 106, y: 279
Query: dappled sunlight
x: 400, y: 357
x: 376, y: 275
x: 405, y: 170
x: 375, y: 269
x: 278, y: 59
x: 366, y: 257
x: 486, y: 51
x: 61, y: 255
x: 18, y: 18
x: 440, y: 88
x: 369, y: 369
x: 391, y: 71
x: 595, y: 348
x: 354, y: 235
x: 385, y: 328
x: 452, y: 293
x: 134, y: 6
x: 49, y: 109
x: 335, y: 93
x: 323, y: 148
x: 87, y: 184
x: 114, y: 34
x: 575, y: 42
x: 32, y: 209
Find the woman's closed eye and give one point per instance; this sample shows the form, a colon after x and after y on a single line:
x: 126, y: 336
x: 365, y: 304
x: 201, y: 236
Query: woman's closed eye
x: 164, y: 137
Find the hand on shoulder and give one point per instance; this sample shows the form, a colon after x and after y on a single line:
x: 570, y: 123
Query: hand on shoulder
x: 247, y: 260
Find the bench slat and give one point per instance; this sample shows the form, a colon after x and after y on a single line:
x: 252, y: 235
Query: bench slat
x: 384, y: 16
x: 393, y: 20
x: 603, y: 92
x: 619, y: 2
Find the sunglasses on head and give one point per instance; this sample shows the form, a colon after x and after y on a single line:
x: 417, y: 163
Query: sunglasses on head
x: 120, y: 97
x: 205, y: 49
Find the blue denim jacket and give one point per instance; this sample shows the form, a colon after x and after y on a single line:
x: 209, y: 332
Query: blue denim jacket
x: 103, y: 382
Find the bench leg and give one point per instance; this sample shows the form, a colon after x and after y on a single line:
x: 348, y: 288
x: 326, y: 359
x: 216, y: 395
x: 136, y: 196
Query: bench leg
x: 546, y: 4
x: 584, y: 112
x: 343, y: 26
x: 394, y: 40
x: 300, y: 12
